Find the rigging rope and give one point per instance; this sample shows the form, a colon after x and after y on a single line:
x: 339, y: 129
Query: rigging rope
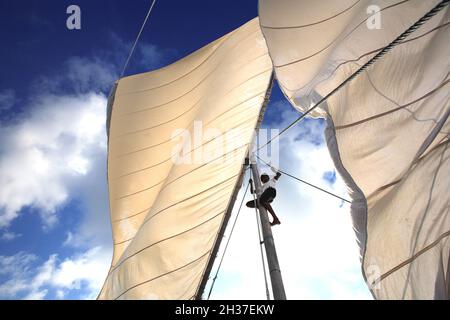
x: 137, y: 39
x: 261, y: 240
x: 306, y: 182
x: 228, y: 241
x: 386, y: 49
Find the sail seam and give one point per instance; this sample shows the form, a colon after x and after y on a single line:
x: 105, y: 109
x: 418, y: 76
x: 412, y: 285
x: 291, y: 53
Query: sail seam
x: 419, y: 23
x: 195, y: 104
x: 224, y: 41
x: 332, y: 42
x: 391, y: 184
x: 424, y: 216
x: 184, y: 154
x: 206, y: 124
x: 405, y: 108
x: 314, y: 23
x: 168, y: 238
x: 345, y: 126
x: 412, y: 258
x: 219, y: 64
x: 214, y: 200
x: 162, y: 275
x: 188, y: 198
x: 344, y: 62
x: 192, y: 89
x: 196, y: 168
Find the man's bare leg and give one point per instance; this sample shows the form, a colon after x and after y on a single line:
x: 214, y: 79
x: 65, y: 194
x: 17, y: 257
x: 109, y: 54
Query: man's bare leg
x: 269, y: 208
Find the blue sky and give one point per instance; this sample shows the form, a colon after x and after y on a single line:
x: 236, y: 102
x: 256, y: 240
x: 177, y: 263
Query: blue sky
x: 55, y: 239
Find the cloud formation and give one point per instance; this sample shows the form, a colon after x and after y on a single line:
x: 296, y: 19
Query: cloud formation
x: 82, y: 274
x: 44, y: 156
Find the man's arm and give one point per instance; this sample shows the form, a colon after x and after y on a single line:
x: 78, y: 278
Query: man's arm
x: 277, y: 173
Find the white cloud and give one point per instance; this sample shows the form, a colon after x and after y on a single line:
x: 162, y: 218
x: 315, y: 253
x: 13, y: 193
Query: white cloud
x: 153, y: 57
x: 46, y: 155
x: 9, y: 236
x: 81, y: 273
x: 91, y: 74
x: 89, y: 267
x: 37, y: 295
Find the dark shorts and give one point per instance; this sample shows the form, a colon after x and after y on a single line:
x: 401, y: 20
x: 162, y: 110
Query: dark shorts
x: 267, y: 196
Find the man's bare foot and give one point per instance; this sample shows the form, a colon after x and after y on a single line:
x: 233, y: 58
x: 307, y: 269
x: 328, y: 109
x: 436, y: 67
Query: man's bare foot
x: 275, y: 222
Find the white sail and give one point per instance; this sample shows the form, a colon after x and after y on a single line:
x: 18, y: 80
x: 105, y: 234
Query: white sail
x: 165, y: 216
x: 388, y: 129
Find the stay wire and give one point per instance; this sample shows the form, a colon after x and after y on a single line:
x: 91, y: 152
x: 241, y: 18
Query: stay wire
x: 137, y: 39
x: 306, y: 182
x: 228, y: 241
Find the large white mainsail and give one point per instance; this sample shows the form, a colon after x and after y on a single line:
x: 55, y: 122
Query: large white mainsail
x: 166, y: 217
x: 388, y: 129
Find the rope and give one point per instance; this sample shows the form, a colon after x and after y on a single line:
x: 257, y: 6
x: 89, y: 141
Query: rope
x: 228, y: 241
x: 261, y: 241
x: 386, y: 49
x: 306, y: 182
x: 137, y: 39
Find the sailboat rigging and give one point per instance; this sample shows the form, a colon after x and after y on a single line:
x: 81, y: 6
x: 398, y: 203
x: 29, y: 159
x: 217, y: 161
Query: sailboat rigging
x: 168, y: 218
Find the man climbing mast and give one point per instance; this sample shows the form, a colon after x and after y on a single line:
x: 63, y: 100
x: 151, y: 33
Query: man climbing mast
x: 266, y: 194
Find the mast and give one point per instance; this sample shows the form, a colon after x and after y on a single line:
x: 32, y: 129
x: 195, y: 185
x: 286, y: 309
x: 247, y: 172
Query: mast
x: 269, y: 244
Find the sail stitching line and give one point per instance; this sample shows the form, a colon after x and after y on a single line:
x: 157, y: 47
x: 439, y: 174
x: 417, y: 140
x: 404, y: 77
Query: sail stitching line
x: 385, y: 50
x: 400, y: 107
x: 405, y: 107
x: 218, y: 204
x: 164, y: 274
x: 412, y: 258
x: 424, y: 216
x: 184, y: 154
x: 196, y: 168
x: 314, y: 23
x: 171, y: 237
x: 194, y: 105
x: 226, y: 37
x: 186, y: 199
x: 206, y: 124
x: 217, y: 66
x: 332, y: 42
x: 146, y: 109
x: 140, y: 212
x: 344, y: 62
x: 391, y: 184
